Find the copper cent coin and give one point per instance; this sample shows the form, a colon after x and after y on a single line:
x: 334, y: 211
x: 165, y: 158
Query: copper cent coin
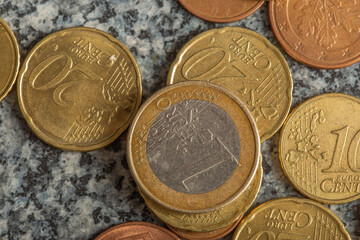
x: 212, y: 235
x: 220, y: 10
x: 137, y: 231
x: 318, y: 33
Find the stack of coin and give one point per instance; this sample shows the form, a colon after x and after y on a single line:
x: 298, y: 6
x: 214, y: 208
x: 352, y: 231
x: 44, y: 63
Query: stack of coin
x: 194, y: 152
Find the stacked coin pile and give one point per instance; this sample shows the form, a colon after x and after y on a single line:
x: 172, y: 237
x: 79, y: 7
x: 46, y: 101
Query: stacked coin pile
x: 193, y: 147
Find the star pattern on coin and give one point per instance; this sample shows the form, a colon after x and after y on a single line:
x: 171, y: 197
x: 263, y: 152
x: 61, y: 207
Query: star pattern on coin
x: 346, y: 52
x: 299, y: 46
x: 283, y: 26
x: 321, y: 55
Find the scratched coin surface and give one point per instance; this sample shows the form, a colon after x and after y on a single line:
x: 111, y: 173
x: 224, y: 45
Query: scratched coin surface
x: 318, y: 33
x: 222, y: 11
x: 211, y: 235
x: 137, y: 231
x: 9, y: 59
x: 177, y: 156
x: 79, y: 89
x: 211, y: 220
x: 246, y: 64
x: 319, y: 148
x: 291, y: 218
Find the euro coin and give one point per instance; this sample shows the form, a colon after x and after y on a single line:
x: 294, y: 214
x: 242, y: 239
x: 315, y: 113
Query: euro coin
x: 245, y: 63
x: 193, y: 147
x: 137, y: 230
x: 9, y: 58
x: 319, y: 148
x: 291, y: 218
x: 321, y: 34
x: 79, y: 89
x: 222, y: 11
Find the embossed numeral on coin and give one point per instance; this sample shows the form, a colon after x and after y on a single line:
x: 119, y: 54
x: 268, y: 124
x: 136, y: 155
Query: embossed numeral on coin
x: 57, y: 81
x: 352, y: 153
x: 281, y: 236
x: 210, y: 64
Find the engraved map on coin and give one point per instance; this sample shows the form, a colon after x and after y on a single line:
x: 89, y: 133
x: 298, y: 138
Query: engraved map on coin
x: 193, y: 146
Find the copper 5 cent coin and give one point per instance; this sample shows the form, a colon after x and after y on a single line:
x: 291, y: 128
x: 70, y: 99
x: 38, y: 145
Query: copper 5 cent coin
x: 9, y: 59
x: 319, y: 33
x: 220, y: 10
x: 319, y: 148
x: 137, y: 231
x: 193, y: 147
x: 79, y: 89
x: 212, y: 235
x: 245, y: 63
x: 291, y: 218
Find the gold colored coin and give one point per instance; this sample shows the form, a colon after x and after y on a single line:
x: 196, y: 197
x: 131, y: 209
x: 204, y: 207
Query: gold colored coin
x: 212, y: 220
x: 245, y: 63
x: 193, y: 147
x: 319, y: 148
x: 79, y: 89
x: 9, y: 58
x: 291, y: 218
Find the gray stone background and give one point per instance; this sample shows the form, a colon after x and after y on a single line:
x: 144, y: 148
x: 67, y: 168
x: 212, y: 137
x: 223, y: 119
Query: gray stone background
x: 47, y: 193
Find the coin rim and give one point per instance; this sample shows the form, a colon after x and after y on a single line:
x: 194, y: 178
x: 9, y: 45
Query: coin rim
x: 289, y: 49
x: 222, y: 20
x: 229, y: 95
x: 295, y: 185
x: 73, y: 147
x: 176, y: 64
x: 278, y: 201
x: 213, y: 227
x: 11, y: 81
x: 134, y: 224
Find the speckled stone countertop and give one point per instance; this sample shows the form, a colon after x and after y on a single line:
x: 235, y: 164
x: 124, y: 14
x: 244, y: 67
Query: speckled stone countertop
x: 46, y: 193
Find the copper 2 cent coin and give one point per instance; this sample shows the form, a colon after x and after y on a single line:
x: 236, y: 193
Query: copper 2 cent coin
x: 212, y: 235
x: 220, y: 10
x: 137, y: 231
x: 318, y: 33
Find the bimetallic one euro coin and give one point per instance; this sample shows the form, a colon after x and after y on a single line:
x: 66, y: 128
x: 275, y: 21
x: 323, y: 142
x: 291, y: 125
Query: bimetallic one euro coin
x: 211, y: 235
x: 9, y: 59
x: 212, y: 220
x: 193, y: 147
x: 321, y: 34
x: 137, y: 231
x: 245, y: 63
x: 79, y: 89
x: 291, y: 218
x: 222, y: 11
x: 319, y: 148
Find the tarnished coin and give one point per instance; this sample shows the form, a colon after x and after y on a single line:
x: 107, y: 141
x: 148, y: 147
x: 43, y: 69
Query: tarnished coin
x: 246, y: 64
x: 213, y: 220
x: 212, y: 235
x: 9, y: 59
x: 137, y: 231
x: 319, y: 148
x: 193, y: 147
x: 321, y: 34
x: 222, y: 11
x: 79, y: 89
x: 291, y: 218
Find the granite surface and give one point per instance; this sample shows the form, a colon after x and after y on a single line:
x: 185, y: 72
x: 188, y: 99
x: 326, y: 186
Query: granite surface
x: 47, y: 193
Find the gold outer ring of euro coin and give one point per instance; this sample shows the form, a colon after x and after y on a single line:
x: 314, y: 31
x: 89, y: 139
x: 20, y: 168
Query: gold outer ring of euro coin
x: 213, y: 220
x: 245, y: 63
x: 319, y: 146
x: 291, y: 218
x: 9, y: 58
x: 79, y: 89
x: 193, y: 147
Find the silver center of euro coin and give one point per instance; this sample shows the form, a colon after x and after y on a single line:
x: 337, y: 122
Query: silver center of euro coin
x: 193, y: 146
